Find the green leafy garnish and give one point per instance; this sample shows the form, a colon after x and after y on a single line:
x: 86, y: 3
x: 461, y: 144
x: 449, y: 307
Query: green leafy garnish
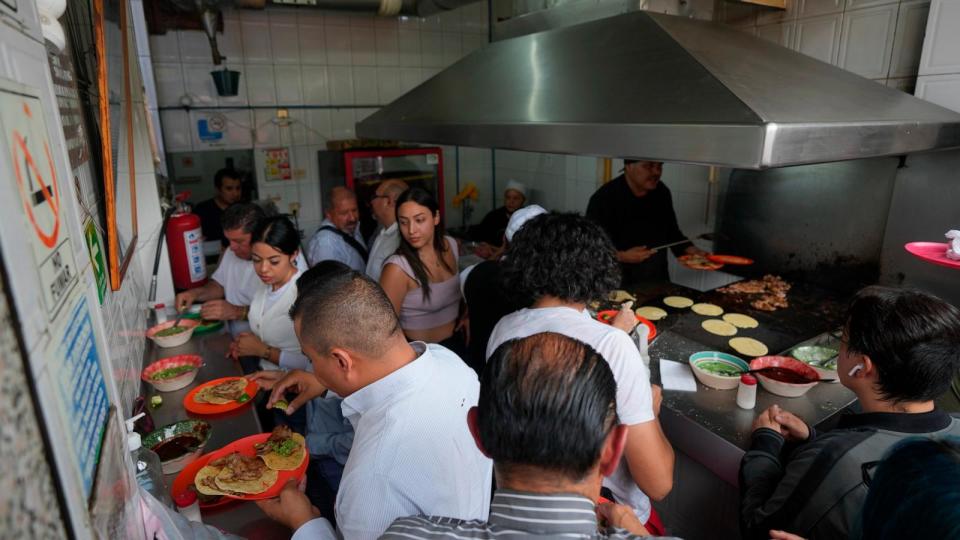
x: 172, y: 372
x: 285, y: 447
x: 281, y: 404
x: 244, y: 397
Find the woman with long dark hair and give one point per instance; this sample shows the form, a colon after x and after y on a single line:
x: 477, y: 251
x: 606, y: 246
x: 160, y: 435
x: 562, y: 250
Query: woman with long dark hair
x: 421, y: 279
x: 275, y: 245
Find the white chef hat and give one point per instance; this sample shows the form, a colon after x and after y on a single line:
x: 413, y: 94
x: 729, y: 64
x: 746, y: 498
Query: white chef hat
x: 521, y: 217
x: 516, y: 186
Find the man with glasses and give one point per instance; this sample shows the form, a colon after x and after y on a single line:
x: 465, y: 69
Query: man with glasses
x: 387, y: 239
x: 899, y: 352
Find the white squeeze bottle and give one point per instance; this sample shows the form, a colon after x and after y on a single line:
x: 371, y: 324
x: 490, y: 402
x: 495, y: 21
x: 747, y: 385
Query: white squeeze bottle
x: 747, y: 392
x: 147, y: 465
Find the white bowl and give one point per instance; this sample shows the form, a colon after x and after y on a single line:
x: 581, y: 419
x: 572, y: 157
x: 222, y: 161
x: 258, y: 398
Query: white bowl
x: 808, y: 354
x: 174, y: 383
x: 712, y: 380
x: 177, y: 339
x: 778, y: 387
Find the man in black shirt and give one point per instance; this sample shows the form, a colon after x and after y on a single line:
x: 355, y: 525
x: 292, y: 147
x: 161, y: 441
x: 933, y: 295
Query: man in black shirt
x: 229, y: 191
x: 636, y: 210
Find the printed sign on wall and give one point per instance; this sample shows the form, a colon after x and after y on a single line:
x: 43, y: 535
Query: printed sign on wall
x: 39, y: 189
x: 277, y: 164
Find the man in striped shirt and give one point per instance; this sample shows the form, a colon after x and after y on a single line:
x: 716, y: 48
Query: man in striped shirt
x: 547, y: 416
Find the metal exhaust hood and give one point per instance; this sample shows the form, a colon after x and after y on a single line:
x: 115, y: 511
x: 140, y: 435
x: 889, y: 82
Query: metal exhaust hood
x: 648, y: 85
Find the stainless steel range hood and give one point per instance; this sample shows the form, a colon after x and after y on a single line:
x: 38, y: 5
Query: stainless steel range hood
x: 647, y: 85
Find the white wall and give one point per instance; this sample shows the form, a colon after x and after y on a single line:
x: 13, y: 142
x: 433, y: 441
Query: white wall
x: 876, y: 39
x: 939, y: 72
x: 304, y: 57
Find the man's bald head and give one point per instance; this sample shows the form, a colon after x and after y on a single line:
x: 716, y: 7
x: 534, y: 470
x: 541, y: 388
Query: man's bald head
x: 384, y: 200
x: 341, y: 209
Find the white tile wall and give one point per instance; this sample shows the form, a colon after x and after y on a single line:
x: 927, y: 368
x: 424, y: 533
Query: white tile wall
x: 941, y: 46
x: 867, y: 40
x: 908, y: 42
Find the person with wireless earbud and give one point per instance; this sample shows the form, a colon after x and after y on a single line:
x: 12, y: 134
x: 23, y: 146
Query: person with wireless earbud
x: 899, y: 352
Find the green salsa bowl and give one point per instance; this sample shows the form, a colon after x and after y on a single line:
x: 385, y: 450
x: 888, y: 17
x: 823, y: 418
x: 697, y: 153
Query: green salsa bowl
x: 718, y: 370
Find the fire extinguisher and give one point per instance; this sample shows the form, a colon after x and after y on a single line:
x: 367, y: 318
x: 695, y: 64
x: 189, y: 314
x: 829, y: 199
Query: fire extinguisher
x: 185, y: 245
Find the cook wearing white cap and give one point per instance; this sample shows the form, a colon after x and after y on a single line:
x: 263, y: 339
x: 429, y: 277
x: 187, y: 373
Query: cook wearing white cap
x: 490, y: 230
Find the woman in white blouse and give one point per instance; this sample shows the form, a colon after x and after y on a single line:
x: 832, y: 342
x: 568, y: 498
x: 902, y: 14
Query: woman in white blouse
x: 275, y: 245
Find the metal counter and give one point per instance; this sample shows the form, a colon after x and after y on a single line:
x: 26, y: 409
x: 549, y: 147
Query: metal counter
x: 707, y: 424
x: 242, y: 518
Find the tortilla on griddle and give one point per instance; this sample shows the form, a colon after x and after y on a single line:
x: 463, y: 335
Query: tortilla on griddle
x: 280, y: 462
x: 223, y: 393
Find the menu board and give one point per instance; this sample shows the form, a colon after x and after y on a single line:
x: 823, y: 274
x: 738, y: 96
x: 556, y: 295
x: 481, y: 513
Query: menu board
x: 75, y: 366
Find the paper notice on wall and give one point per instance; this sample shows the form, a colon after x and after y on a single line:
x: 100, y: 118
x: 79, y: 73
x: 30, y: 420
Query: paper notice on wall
x: 277, y: 164
x: 40, y: 191
x: 74, y: 365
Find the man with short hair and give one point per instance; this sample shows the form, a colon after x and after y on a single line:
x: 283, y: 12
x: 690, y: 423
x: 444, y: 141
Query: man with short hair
x: 636, y: 211
x: 383, y: 203
x: 227, y: 296
x: 548, y: 486
x: 412, y: 452
x: 229, y: 186
x: 899, y: 351
x: 338, y: 237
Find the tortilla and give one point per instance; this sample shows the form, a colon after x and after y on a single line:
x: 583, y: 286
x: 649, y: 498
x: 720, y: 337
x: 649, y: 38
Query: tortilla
x: 651, y: 313
x: 278, y: 462
x: 740, y: 320
x: 217, y: 395
x: 678, y: 302
x: 259, y: 485
x: 710, y: 310
x: 618, y: 296
x: 748, y: 346
x: 698, y: 262
x: 208, y: 471
x: 719, y: 328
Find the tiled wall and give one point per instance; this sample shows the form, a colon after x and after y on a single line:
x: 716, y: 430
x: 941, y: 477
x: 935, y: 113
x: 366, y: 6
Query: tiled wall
x: 304, y: 57
x: 876, y: 39
x: 939, y: 73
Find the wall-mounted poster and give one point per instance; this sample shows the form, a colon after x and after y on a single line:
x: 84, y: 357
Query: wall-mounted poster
x: 277, y: 164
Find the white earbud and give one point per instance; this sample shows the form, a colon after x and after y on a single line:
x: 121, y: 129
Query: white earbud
x: 855, y: 369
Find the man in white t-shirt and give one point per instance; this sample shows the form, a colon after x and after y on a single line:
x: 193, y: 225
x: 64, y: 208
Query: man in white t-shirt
x: 227, y: 296
x: 412, y: 451
x: 563, y: 261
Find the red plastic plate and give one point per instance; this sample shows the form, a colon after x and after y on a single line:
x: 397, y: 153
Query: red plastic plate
x: 210, y: 408
x: 607, y: 315
x: 245, y: 446
x: 934, y: 252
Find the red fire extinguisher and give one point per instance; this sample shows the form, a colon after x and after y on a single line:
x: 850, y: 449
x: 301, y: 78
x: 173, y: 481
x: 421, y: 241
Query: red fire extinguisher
x: 185, y: 245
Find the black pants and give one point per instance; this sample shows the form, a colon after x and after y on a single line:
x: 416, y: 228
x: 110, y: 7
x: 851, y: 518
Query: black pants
x: 457, y: 343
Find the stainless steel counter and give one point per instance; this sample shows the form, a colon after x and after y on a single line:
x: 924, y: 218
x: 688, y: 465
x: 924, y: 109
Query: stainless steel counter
x: 241, y: 518
x: 708, y: 425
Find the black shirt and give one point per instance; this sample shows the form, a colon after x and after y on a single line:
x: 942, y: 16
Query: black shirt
x: 487, y: 302
x: 210, y: 214
x: 638, y: 221
x: 491, y: 229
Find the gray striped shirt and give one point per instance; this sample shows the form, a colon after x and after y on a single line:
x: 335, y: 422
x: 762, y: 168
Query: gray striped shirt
x: 515, y: 514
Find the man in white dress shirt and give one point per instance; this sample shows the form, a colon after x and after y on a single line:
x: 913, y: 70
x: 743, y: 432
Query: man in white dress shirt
x: 412, y: 452
x: 384, y: 207
x: 338, y: 238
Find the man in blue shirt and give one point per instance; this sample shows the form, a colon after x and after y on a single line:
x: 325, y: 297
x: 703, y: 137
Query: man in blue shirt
x: 338, y: 238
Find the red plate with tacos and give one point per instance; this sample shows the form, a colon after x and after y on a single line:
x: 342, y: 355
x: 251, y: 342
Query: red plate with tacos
x: 730, y: 259
x: 220, y: 395
x: 607, y: 315
x: 252, y: 468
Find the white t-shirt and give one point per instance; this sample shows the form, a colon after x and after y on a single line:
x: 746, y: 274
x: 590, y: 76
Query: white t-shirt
x: 634, y: 398
x: 239, y: 282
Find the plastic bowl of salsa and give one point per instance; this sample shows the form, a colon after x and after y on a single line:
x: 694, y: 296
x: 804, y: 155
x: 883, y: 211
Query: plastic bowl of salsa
x: 178, y: 444
x: 787, y: 376
x: 717, y: 370
x: 173, y: 373
x: 165, y: 335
